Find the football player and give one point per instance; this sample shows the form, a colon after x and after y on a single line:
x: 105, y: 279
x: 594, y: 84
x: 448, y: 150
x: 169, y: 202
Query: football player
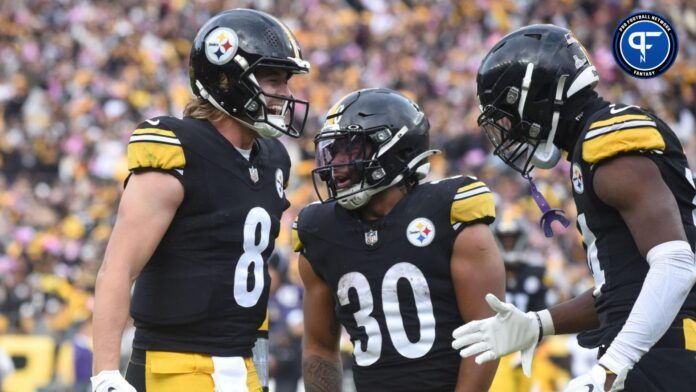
x: 398, y: 263
x: 199, y: 216
x: 524, y: 269
x: 634, y: 194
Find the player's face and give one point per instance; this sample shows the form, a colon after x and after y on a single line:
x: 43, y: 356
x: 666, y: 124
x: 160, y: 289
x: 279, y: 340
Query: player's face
x: 344, y: 173
x: 508, y: 241
x: 274, y: 81
x: 340, y: 159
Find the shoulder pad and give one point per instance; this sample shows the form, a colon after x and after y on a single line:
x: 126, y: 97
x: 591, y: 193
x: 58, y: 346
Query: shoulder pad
x: 297, y: 244
x: 622, y: 130
x: 472, y: 203
x: 301, y: 220
x: 155, y: 145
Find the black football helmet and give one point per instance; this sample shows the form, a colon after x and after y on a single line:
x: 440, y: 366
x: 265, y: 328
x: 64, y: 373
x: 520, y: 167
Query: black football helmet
x: 523, y: 84
x: 372, y: 139
x: 511, y: 235
x: 226, y: 53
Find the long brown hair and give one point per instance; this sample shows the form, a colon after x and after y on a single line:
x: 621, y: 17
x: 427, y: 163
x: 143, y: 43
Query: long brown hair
x: 201, y: 109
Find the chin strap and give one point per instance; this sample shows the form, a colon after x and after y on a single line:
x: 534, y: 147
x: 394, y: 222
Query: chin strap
x: 548, y: 214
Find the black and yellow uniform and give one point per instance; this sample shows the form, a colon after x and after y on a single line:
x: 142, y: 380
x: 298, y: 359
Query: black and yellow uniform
x: 613, y: 257
x: 525, y: 287
x: 391, y: 281
x: 205, y: 288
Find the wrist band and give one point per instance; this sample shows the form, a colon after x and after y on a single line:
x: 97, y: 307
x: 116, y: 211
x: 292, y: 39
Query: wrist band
x: 541, y: 329
x: 546, y: 320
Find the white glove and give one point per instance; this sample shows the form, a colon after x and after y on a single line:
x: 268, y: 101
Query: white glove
x: 596, y: 378
x: 110, y: 381
x: 592, y: 381
x: 507, y: 332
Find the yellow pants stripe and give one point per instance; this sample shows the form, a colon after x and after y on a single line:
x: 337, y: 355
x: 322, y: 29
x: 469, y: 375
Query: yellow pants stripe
x: 186, y: 372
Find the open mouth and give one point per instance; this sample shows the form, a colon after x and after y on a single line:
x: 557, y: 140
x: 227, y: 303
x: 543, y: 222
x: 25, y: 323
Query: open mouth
x: 342, y: 180
x: 275, y: 109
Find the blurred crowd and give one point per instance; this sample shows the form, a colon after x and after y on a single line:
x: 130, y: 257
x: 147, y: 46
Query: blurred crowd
x: 76, y: 76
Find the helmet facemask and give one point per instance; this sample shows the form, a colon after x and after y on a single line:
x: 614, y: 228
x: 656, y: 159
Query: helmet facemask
x: 509, y: 134
x: 346, y: 162
x: 520, y: 143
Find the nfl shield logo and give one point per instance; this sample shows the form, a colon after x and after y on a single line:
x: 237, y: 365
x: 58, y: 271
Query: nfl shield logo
x: 371, y: 237
x: 254, y: 174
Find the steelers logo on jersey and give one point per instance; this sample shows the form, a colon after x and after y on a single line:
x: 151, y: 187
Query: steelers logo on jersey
x: 420, y: 232
x: 221, y: 45
x: 578, y: 185
x: 279, y: 182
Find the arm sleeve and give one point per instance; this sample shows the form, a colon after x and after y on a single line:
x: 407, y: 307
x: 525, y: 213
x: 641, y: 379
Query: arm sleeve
x: 671, y: 276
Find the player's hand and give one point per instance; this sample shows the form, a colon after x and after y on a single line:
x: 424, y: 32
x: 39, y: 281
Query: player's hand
x: 598, y: 379
x: 507, y: 332
x: 110, y: 381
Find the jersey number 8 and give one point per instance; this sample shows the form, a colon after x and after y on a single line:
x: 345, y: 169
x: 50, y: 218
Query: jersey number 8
x: 252, y: 256
x: 392, y: 313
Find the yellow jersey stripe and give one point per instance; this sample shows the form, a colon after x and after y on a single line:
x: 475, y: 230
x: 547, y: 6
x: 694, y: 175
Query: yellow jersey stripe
x: 297, y: 244
x: 264, y: 325
x: 690, y: 334
x: 470, y: 186
x: 156, y: 155
x: 627, y: 140
x: 155, y: 131
x: 618, y: 119
x: 615, y: 127
x: 472, y: 208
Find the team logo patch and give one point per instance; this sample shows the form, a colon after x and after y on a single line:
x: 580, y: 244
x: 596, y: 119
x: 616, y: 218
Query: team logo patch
x: 645, y: 45
x: 279, y: 182
x: 576, y: 178
x: 420, y: 232
x: 221, y: 45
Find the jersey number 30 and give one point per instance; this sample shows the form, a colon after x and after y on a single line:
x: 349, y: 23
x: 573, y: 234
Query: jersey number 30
x: 392, y: 313
x: 252, y: 256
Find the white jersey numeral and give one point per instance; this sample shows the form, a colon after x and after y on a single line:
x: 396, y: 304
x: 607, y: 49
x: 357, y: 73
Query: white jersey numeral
x: 392, y: 313
x: 373, y: 345
x: 690, y: 178
x: 252, y: 257
x: 592, y: 260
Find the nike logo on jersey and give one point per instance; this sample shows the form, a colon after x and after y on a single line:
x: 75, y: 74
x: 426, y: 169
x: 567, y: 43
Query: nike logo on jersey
x: 613, y: 110
x: 153, y: 122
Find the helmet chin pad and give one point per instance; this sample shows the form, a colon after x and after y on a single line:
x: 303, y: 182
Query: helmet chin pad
x: 546, y: 156
x: 266, y: 130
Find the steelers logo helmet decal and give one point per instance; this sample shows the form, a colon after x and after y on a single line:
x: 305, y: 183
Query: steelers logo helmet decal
x: 420, y: 232
x: 645, y: 45
x: 578, y: 185
x: 221, y: 45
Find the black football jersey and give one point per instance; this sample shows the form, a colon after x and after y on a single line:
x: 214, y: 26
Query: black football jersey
x: 525, y: 287
x: 205, y: 289
x: 391, y: 281
x: 616, y: 264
